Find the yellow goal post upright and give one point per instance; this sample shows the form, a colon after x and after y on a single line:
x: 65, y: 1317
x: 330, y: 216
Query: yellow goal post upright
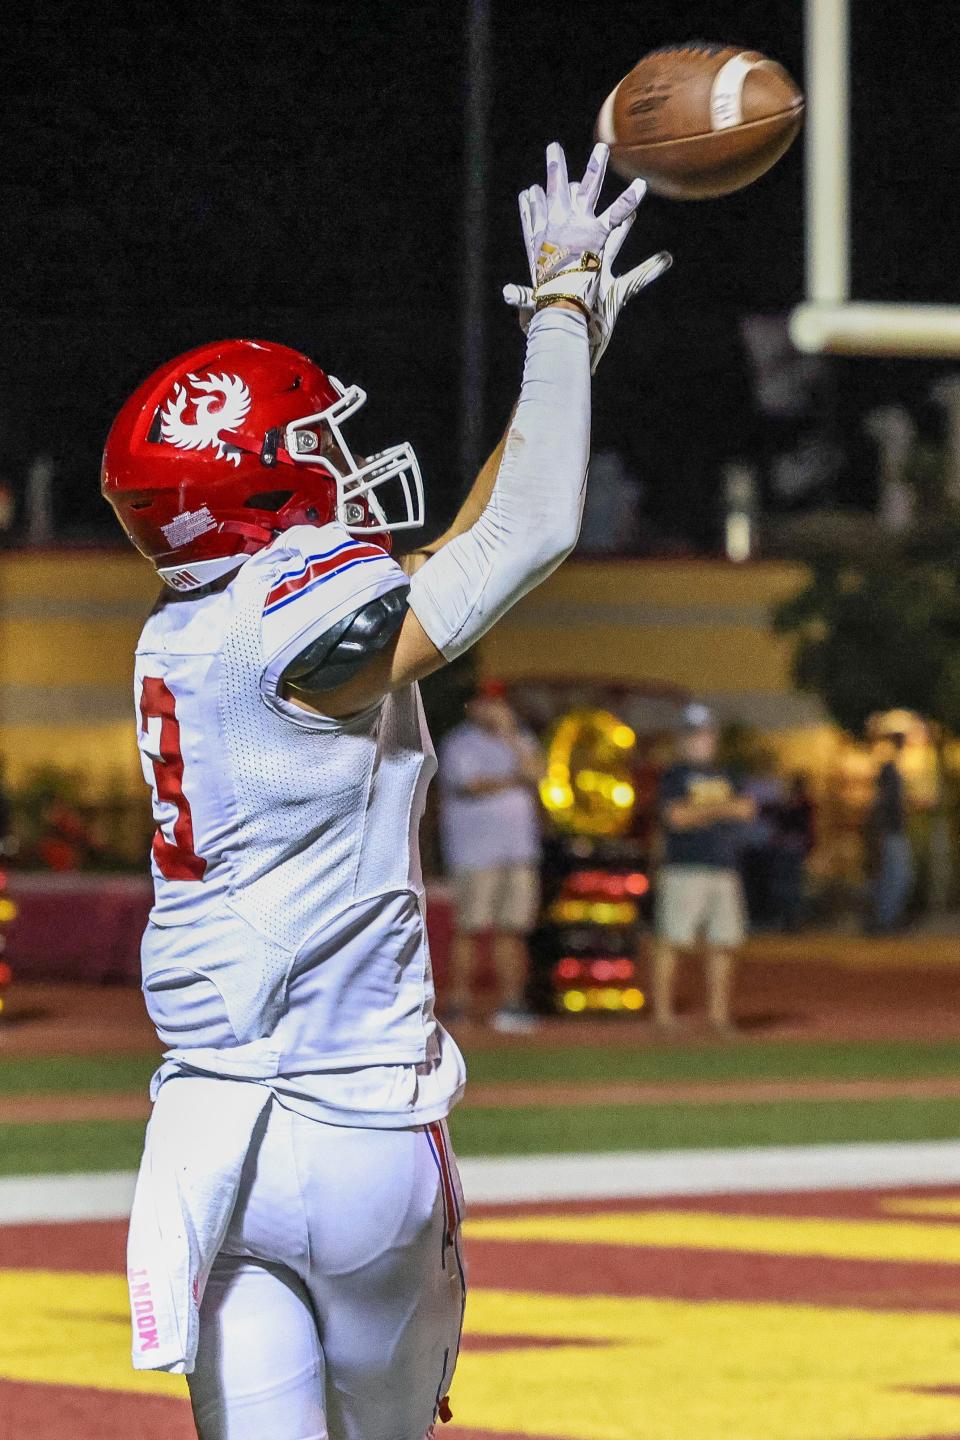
x: 829, y: 322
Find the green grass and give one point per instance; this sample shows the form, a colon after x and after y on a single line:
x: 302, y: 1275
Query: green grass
x: 547, y: 1131
x: 68, y: 1074
x: 777, y: 1060
x: 115, y: 1145
x: 86, y: 1146
x: 110, y: 1074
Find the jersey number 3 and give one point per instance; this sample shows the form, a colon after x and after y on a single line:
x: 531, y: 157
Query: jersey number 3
x: 177, y: 860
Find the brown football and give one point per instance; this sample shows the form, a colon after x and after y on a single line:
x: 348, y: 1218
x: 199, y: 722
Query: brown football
x: 696, y: 121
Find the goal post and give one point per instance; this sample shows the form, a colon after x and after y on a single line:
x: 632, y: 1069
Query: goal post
x: 859, y: 328
x: 827, y: 154
x: 829, y: 322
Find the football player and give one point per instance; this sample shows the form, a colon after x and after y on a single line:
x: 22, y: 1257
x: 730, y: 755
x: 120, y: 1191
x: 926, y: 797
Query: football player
x: 295, y: 1240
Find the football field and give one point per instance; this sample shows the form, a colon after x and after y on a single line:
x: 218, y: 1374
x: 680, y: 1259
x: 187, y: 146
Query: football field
x: 757, y: 1241
x: 828, y: 1314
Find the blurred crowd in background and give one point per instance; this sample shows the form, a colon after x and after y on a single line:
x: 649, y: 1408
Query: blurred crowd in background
x: 716, y: 444
x: 874, y: 843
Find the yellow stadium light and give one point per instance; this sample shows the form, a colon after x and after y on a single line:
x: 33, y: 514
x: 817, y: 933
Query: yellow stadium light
x: 632, y: 999
x: 574, y: 1000
x: 623, y: 737
x: 622, y: 795
x: 8, y: 911
x: 599, y: 912
x: 567, y: 912
x: 611, y: 912
x: 610, y: 999
x: 555, y: 795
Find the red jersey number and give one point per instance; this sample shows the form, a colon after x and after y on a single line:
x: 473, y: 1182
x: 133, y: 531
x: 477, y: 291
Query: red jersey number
x: 179, y: 860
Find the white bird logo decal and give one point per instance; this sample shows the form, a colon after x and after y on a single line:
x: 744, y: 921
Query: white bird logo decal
x: 221, y: 403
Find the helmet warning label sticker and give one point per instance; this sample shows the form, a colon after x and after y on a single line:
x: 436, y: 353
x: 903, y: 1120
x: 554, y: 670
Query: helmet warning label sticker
x: 187, y: 526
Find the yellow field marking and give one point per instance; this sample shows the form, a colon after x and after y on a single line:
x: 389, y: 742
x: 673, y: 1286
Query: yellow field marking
x: 948, y: 1207
x: 753, y: 1234
x: 655, y: 1370
x: 680, y: 1371
x: 72, y: 1329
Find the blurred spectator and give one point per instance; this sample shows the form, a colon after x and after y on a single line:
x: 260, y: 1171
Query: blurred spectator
x: 793, y: 840
x: 490, y: 832
x: 758, y: 844
x: 698, y: 887
x: 890, y: 858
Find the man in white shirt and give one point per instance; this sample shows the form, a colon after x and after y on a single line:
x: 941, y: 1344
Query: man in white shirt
x: 490, y: 830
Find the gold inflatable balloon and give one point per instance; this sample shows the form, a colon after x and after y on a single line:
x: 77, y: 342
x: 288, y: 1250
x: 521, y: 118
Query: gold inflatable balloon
x: 588, y: 787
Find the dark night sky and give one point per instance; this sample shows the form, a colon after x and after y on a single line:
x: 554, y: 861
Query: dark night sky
x: 293, y: 170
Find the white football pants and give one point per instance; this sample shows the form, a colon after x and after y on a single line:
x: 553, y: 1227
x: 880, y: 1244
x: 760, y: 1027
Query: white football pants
x: 334, y: 1308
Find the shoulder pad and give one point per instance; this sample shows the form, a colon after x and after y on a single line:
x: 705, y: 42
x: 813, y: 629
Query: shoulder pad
x: 343, y: 650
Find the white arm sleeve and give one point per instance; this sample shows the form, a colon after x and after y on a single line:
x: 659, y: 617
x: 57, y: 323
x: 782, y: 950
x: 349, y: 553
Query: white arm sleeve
x: 532, y: 519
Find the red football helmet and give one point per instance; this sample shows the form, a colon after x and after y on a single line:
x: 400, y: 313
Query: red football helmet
x: 231, y: 443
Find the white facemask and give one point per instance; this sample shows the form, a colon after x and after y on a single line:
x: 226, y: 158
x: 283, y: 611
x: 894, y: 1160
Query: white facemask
x: 397, y: 465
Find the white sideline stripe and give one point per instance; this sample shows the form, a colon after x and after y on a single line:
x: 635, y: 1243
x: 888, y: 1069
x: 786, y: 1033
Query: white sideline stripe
x: 510, y: 1178
x: 30, y: 1199
x: 709, y: 1172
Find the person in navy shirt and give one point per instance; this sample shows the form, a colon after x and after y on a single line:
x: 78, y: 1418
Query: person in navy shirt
x: 702, y: 818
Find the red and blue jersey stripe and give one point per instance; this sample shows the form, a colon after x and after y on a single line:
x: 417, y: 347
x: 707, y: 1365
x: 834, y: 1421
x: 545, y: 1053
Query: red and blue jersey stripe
x: 318, y: 569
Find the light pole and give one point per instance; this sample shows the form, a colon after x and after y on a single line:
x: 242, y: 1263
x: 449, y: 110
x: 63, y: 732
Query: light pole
x: 474, y: 244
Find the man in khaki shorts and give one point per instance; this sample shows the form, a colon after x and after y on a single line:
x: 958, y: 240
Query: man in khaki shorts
x: 490, y: 829
x: 698, y: 886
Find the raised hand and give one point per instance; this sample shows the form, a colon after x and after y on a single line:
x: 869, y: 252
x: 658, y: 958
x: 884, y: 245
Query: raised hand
x: 570, y: 249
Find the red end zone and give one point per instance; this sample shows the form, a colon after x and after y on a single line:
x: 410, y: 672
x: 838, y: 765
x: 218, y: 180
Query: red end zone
x: 555, y: 1301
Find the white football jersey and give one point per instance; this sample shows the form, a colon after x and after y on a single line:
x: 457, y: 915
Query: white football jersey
x: 287, y: 942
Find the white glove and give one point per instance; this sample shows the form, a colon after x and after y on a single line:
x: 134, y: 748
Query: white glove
x: 563, y: 235
x: 551, y: 237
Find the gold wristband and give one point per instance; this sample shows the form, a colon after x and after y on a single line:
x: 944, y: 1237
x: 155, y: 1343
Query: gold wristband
x: 589, y: 262
x: 581, y: 305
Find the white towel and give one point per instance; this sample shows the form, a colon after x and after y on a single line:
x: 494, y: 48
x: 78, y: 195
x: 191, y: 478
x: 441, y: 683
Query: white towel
x: 196, y: 1143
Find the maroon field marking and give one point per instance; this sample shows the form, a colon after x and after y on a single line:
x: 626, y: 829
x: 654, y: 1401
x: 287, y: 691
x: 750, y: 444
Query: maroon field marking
x: 89, y: 1246
x: 53, y: 1412
x: 698, y: 1275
